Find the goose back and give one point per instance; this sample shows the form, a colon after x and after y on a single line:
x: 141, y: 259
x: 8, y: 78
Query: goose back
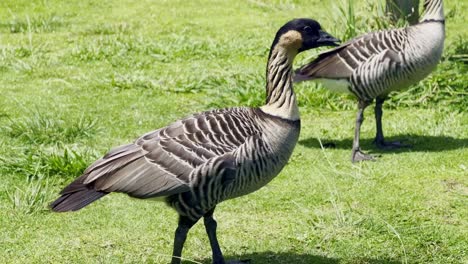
x: 380, y: 62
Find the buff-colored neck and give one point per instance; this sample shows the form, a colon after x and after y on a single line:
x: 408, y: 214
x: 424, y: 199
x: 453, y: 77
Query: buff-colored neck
x: 281, y: 100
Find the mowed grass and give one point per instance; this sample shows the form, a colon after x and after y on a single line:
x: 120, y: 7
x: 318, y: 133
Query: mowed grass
x: 79, y: 77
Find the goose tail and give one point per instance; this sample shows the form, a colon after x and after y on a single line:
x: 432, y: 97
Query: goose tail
x: 76, y: 196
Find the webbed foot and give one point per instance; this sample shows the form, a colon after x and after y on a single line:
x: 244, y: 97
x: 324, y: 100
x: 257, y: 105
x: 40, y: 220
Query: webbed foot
x: 358, y: 155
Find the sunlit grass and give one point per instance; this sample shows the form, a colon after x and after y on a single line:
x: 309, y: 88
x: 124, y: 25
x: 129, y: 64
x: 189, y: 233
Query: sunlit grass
x: 41, y: 128
x: 80, y: 77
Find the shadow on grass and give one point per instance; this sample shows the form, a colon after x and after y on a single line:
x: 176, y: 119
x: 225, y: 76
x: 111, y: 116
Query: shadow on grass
x: 269, y: 257
x: 417, y: 142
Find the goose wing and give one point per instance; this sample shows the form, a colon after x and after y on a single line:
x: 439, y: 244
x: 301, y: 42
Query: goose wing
x: 342, y: 62
x: 162, y: 162
x: 376, y: 75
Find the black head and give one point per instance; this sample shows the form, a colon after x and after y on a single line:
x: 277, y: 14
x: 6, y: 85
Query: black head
x: 304, y: 34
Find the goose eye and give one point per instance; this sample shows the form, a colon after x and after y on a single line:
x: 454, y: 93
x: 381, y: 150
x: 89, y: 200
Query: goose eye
x: 307, y: 29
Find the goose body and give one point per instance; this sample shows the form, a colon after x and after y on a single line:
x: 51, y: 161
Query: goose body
x: 373, y: 65
x: 199, y: 161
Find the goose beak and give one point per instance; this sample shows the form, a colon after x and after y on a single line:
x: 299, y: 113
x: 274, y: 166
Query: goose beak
x: 327, y: 39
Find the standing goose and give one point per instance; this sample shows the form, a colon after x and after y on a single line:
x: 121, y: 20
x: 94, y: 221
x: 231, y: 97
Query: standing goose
x: 373, y: 65
x: 200, y: 161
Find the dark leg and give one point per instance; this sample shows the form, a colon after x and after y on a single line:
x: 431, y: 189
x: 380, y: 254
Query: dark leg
x: 185, y: 224
x: 379, y: 136
x: 210, y: 226
x: 357, y: 154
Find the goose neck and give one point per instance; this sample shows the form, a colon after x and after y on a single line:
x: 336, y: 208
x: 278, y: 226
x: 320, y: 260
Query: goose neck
x: 281, y: 100
x: 433, y: 11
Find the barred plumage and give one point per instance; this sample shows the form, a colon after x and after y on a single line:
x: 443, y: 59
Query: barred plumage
x: 202, y: 160
x: 373, y: 65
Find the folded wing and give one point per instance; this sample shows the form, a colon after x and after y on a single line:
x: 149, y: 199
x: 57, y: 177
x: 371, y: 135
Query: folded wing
x: 159, y: 163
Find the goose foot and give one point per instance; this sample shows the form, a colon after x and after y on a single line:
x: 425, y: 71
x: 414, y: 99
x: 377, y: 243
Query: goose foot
x: 390, y: 145
x: 358, y: 155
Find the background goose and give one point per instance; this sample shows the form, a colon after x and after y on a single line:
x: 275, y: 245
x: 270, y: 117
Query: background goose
x: 197, y: 162
x: 373, y: 65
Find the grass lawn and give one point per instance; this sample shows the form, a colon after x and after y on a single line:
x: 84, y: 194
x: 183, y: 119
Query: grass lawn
x: 79, y: 77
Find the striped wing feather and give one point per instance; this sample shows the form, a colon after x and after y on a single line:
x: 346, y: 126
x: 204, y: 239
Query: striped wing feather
x: 160, y: 163
x: 343, y: 61
x: 375, y: 73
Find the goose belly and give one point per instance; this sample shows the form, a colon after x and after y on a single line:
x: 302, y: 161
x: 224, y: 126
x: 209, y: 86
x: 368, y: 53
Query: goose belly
x: 412, y: 76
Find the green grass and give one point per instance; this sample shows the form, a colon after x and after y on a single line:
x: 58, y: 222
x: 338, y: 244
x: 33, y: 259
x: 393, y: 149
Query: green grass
x: 79, y: 77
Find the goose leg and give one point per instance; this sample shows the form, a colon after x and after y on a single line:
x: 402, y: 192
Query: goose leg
x: 379, y: 137
x: 357, y: 154
x: 184, y: 226
x: 210, y: 226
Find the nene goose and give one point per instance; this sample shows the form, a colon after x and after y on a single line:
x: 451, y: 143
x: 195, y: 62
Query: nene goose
x: 373, y: 65
x: 197, y: 162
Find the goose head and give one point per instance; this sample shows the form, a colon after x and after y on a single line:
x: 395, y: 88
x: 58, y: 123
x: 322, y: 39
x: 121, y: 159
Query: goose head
x: 303, y: 34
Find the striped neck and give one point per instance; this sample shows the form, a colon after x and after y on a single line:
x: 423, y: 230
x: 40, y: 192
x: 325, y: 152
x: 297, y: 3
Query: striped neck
x: 281, y: 100
x: 433, y: 11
